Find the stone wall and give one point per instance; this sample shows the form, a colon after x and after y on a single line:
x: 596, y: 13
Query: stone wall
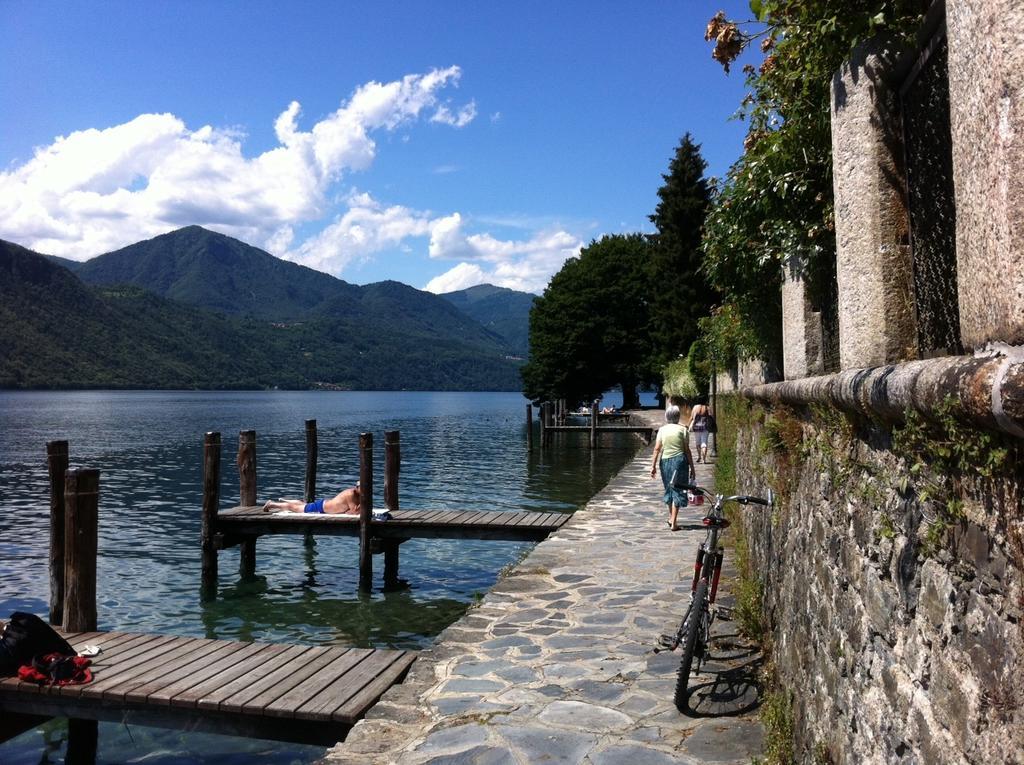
x: 873, y: 266
x: 898, y: 644
x: 986, y: 89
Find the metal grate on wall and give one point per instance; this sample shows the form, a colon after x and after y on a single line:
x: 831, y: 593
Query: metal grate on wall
x: 927, y: 142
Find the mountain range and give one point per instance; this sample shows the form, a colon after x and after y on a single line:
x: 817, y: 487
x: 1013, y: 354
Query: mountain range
x: 198, y: 309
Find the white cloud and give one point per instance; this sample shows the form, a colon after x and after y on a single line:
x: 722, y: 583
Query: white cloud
x: 461, y: 118
x: 96, y: 190
x: 367, y: 227
x: 459, y: 278
x: 99, y: 189
x: 525, y: 265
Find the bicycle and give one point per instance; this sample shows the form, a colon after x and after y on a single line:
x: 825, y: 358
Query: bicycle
x: 695, y: 629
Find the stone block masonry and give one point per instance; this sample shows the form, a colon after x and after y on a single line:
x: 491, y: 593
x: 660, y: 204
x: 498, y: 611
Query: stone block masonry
x: 898, y: 644
x: 986, y: 94
x: 873, y: 268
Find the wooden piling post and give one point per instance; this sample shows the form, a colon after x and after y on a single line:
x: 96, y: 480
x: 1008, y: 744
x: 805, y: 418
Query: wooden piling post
x: 543, y: 425
x: 247, y: 497
x: 365, y: 511
x: 593, y: 424
x: 311, y: 460
x: 83, y: 742
x: 57, y: 465
x: 211, y: 504
x: 392, y: 468
x: 529, y: 427
x: 81, y: 521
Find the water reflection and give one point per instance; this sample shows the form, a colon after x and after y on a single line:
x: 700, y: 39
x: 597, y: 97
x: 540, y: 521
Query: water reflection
x: 459, y: 451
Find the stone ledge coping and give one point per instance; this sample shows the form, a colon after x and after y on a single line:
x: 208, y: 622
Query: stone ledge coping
x: 989, y: 387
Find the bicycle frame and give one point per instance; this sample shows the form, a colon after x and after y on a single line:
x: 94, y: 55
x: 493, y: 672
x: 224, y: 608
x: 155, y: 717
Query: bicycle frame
x: 707, y: 567
x: 695, y: 628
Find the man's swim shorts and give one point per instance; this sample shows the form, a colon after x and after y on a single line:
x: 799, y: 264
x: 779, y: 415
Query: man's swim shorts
x: 315, y: 507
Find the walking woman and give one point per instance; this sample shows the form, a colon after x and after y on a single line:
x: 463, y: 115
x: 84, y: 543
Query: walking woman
x: 701, y: 424
x: 672, y: 456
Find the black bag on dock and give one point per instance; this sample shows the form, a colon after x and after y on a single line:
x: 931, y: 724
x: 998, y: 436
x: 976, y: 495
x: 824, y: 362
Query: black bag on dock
x: 25, y: 636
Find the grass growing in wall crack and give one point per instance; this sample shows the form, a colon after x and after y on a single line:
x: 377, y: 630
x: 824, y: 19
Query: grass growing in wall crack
x: 734, y: 413
x: 944, y: 457
x: 777, y: 718
x: 749, y: 594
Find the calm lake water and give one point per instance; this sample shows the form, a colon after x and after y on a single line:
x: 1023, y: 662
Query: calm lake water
x: 459, y: 451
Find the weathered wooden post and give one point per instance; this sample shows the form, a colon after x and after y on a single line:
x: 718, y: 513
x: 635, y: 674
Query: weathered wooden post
x: 311, y: 458
x: 57, y: 465
x: 593, y: 424
x: 83, y: 742
x: 247, y: 497
x: 365, y: 511
x: 211, y: 504
x: 81, y: 522
x: 529, y: 427
x: 392, y: 468
x: 542, y: 416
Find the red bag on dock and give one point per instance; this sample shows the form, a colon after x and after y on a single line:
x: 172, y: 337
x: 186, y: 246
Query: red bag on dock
x: 56, y: 669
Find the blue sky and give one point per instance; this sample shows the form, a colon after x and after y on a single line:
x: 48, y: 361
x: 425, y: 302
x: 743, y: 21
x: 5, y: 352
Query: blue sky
x: 440, y: 144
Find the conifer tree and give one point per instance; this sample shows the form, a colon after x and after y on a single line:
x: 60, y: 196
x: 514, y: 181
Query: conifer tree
x: 681, y: 291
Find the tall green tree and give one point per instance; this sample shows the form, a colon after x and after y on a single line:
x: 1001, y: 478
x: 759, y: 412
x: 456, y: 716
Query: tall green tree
x: 681, y: 291
x: 590, y: 330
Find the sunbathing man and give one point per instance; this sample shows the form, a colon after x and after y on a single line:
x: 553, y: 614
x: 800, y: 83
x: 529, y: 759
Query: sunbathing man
x: 344, y: 503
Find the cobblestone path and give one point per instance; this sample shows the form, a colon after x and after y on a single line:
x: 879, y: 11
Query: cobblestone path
x: 557, y: 664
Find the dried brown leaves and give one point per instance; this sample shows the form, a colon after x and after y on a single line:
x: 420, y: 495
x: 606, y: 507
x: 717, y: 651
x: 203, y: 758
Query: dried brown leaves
x: 729, y: 40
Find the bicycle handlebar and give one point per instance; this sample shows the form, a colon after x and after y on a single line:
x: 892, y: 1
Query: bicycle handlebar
x: 742, y: 499
x: 745, y: 499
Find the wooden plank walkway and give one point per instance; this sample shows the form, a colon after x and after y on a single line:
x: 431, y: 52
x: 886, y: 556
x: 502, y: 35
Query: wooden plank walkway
x: 404, y: 524
x: 309, y: 694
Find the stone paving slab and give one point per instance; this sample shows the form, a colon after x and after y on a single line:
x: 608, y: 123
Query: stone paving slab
x: 558, y: 664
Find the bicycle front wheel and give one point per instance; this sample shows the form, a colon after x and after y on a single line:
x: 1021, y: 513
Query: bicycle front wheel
x: 690, y: 643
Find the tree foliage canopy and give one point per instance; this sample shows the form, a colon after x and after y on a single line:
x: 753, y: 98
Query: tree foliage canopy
x: 590, y: 330
x: 630, y: 303
x: 777, y: 199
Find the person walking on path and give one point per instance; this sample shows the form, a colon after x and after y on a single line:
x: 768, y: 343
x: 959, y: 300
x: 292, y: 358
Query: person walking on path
x: 700, y: 425
x: 672, y: 456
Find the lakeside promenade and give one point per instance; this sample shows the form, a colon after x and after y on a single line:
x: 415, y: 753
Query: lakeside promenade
x: 557, y: 663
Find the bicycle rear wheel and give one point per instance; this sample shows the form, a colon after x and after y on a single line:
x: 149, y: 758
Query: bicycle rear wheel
x: 690, y: 643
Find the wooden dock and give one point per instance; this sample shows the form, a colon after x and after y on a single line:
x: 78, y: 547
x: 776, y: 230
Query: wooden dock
x: 307, y: 694
x: 240, y: 522
x: 553, y: 417
x: 244, y: 524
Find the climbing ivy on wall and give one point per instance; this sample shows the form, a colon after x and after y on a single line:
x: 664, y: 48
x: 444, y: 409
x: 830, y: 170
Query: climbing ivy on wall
x: 776, y: 200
